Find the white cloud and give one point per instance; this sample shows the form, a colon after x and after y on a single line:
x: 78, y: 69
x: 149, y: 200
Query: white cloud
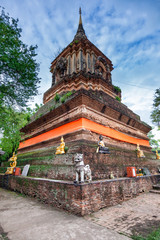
x: 128, y: 32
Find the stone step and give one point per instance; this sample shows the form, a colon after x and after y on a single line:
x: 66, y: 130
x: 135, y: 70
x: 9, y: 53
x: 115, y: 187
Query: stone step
x: 156, y: 187
x: 57, y: 160
x: 52, y: 172
x: 154, y: 191
x: 58, y: 171
x: 64, y: 159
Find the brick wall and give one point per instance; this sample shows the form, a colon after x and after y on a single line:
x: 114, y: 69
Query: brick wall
x: 81, y: 199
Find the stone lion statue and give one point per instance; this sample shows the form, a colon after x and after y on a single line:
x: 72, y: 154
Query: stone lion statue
x: 83, y: 173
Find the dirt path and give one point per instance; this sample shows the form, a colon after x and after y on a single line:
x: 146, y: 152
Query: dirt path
x: 22, y: 218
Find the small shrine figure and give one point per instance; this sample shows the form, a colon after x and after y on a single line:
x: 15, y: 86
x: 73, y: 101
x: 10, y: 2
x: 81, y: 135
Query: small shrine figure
x: 111, y: 176
x: 139, y: 152
x: 157, y: 156
x: 139, y: 172
x: 101, y: 147
x: 60, y: 149
x: 13, y: 164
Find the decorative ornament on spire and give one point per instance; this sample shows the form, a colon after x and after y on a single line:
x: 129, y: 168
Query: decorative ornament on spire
x: 80, y: 31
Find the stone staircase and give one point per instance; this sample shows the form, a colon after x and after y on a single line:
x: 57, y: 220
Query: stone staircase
x: 156, y: 189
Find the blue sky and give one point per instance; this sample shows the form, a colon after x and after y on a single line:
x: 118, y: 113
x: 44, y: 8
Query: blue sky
x: 126, y: 31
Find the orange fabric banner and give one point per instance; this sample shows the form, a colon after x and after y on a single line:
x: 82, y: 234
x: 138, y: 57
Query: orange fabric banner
x: 83, y: 123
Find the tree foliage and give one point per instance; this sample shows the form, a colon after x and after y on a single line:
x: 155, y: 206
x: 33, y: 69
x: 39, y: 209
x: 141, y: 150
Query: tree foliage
x: 18, y: 67
x: 155, y: 143
x: 13, y: 121
x: 155, y: 115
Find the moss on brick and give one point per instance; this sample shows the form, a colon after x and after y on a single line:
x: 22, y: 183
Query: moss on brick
x: 39, y: 168
x: 51, y: 105
x: 3, y: 169
x: 31, y: 160
x: 36, y: 153
x: 20, y: 180
x: 6, y: 164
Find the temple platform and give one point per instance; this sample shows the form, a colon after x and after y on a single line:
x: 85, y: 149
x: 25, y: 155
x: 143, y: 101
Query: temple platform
x: 83, y: 198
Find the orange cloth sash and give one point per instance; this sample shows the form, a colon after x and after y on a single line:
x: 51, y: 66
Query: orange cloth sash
x: 83, y: 123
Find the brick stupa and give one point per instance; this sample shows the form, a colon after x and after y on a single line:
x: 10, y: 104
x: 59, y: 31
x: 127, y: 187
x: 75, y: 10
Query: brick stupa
x: 81, y: 104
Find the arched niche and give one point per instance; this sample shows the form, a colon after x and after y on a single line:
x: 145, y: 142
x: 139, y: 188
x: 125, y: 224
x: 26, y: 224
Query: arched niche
x: 59, y: 71
x: 102, y: 68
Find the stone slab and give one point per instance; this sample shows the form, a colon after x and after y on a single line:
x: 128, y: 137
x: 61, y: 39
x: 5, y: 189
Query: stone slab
x: 25, y: 170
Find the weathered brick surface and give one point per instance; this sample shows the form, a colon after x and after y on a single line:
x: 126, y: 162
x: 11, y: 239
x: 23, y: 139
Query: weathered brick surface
x: 81, y: 199
x: 46, y: 119
x: 44, y: 162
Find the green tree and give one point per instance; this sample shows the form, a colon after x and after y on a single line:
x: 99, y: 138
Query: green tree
x: 155, y: 115
x: 155, y: 144
x: 18, y: 67
x: 13, y: 121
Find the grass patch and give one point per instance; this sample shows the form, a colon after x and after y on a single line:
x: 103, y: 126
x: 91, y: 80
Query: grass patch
x: 4, y: 236
x: 63, y: 99
x: 66, y: 149
x: 57, y: 97
x: 65, y: 96
x: 155, y: 235
x: 118, y: 99
x: 117, y: 89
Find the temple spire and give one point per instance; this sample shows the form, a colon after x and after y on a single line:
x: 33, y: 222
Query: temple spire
x: 80, y: 18
x: 80, y: 31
